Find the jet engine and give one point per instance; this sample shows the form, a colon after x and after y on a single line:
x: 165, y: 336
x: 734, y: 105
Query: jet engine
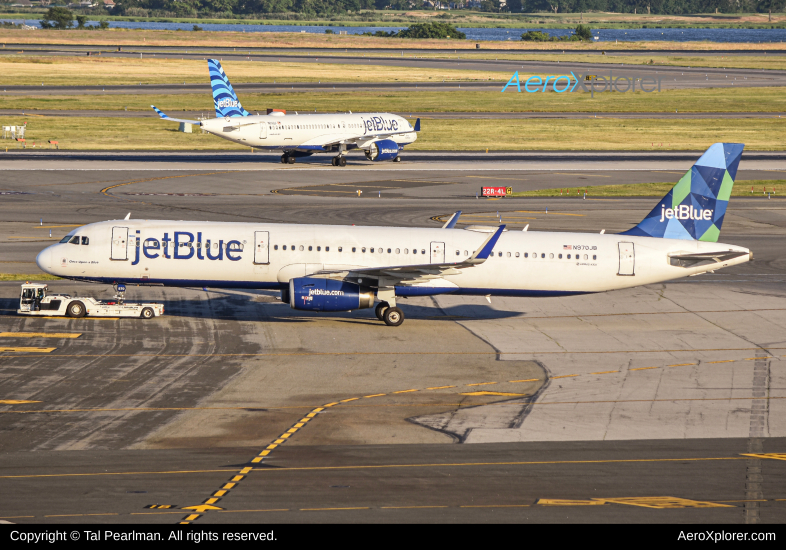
x: 312, y: 294
x: 384, y: 149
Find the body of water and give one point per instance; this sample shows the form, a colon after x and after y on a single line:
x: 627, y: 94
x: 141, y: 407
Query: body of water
x: 604, y: 35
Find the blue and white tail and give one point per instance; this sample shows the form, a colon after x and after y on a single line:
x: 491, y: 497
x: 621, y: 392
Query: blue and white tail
x: 695, y: 207
x: 224, y: 97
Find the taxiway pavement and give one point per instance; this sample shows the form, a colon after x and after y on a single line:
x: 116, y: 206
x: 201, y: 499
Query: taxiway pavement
x: 663, y: 403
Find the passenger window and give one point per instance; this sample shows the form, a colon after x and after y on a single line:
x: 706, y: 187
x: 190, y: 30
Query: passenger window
x: 371, y: 250
x: 275, y: 247
x: 526, y: 254
x: 517, y: 254
x: 500, y: 254
x: 363, y: 250
x: 309, y: 248
x: 75, y: 240
x: 466, y: 253
x: 458, y: 253
x: 422, y: 251
x: 327, y: 249
x: 585, y: 256
x: 319, y: 248
x: 508, y: 254
x: 389, y: 251
x: 398, y: 251
x: 86, y: 240
x: 284, y: 247
x: 380, y: 250
x: 65, y: 239
x: 560, y: 256
x: 301, y: 247
x: 551, y: 256
x: 594, y: 257
x: 353, y: 249
x: 569, y: 256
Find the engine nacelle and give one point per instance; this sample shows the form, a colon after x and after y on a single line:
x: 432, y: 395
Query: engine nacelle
x: 384, y: 149
x: 312, y: 294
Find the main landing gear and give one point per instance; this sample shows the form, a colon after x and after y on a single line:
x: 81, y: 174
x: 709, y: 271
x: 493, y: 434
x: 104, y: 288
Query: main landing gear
x: 339, y: 161
x: 287, y: 159
x: 391, y: 316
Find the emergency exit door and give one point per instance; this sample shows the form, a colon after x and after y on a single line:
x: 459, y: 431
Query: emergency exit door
x: 627, y: 259
x: 119, y: 243
x: 437, y: 253
x: 261, y: 247
x: 263, y: 130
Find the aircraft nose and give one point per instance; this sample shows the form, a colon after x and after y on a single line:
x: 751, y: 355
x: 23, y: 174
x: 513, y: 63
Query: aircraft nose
x: 44, y: 260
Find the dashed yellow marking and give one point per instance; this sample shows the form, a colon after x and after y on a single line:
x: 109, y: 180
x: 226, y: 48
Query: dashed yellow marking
x: 408, y: 507
x: 322, y: 509
x: 27, y: 350
x: 564, y: 376
x: 568, y: 502
x: 647, y: 368
x: 434, y: 388
x: 264, y: 453
x: 245, y: 470
x: 375, y: 395
x: 278, y: 441
x: 238, y: 478
x: 682, y: 365
x: 271, y: 446
x: 348, y: 400
x: 404, y: 391
x: 228, y: 486
x: 256, y: 460
x: 40, y: 334
x: 726, y: 361
x: 220, y: 493
x: 527, y: 380
x: 480, y: 393
x: 331, y: 404
x: 495, y: 506
x: 291, y: 431
x: 605, y: 372
x: 481, y: 384
x: 15, y: 402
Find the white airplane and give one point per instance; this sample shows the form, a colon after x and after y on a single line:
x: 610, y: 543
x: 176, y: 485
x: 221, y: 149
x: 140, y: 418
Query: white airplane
x: 343, y: 268
x: 382, y: 136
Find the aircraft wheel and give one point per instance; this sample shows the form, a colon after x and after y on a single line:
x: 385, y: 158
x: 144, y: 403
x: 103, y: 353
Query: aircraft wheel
x: 380, y: 310
x: 291, y: 159
x: 342, y: 161
x: 334, y: 161
x: 76, y: 309
x: 397, y: 159
x: 393, y: 316
x: 147, y: 313
x: 284, y: 158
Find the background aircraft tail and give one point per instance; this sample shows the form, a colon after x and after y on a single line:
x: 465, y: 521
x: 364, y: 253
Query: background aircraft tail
x: 224, y: 97
x: 695, y: 207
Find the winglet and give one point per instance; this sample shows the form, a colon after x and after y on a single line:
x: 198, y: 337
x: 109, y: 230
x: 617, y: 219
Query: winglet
x: 163, y: 115
x: 417, y: 125
x: 485, y: 250
x: 451, y: 223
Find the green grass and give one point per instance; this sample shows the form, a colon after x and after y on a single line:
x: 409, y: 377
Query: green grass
x: 741, y: 189
x: 602, y: 134
x: 758, y: 100
x: 28, y: 277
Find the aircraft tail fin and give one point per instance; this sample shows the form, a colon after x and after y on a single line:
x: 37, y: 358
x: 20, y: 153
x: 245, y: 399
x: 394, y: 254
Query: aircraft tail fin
x: 224, y: 96
x: 695, y: 207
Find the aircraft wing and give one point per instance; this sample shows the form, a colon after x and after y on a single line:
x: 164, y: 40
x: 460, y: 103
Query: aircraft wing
x: 405, y: 275
x: 370, y: 137
x: 166, y: 117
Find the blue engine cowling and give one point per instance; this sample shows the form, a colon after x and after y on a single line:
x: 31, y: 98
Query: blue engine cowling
x: 384, y: 149
x: 314, y: 294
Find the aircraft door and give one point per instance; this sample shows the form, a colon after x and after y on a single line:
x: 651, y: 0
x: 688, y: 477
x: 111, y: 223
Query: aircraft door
x: 261, y: 247
x: 627, y: 259
x: 437, y: 253
x: 263, y: 130
x: 119, y: 243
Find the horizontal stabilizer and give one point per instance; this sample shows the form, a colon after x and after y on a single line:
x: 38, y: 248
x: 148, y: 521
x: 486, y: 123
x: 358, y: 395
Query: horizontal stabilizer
x: 693, y: 259
x: 165, y: 117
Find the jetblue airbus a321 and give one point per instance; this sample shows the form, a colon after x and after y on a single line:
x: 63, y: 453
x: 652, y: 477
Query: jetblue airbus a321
x: 382, y: 136
x: 343, y: 268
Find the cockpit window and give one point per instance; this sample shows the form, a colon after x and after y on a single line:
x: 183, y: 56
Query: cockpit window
x: 75, y: 240
x: 85, y: 240
x: 66, y: 238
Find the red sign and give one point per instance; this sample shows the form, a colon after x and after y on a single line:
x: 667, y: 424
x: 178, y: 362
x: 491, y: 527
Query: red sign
x: 495, y: 191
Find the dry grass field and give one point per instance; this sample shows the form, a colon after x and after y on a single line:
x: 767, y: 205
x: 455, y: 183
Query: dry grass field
x: 603, y: 134
x: 742, y: 188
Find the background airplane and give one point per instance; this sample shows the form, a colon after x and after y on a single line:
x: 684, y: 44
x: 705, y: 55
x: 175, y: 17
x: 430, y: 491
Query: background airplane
x: 343, y: 268
x: 381, y: 136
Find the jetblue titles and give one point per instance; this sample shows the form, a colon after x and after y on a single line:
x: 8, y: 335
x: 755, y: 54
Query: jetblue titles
x: 183, y: 245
